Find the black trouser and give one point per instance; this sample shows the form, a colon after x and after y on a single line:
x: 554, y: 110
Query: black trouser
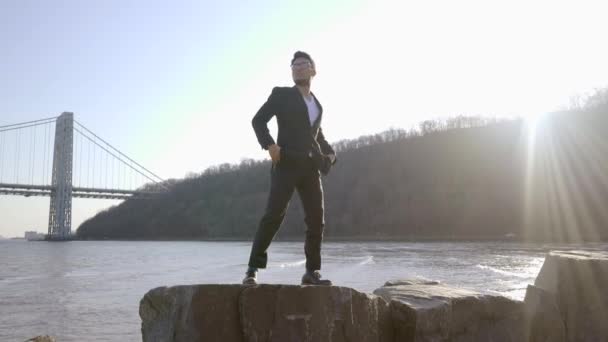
x: 286, y: 176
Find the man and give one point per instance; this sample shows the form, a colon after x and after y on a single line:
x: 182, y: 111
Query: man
x: 300, y: 151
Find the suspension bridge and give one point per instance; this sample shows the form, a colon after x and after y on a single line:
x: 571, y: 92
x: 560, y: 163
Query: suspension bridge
x: 59, y: 157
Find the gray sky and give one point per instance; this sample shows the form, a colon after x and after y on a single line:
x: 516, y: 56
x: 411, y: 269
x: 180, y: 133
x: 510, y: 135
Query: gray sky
x: 174, y: 84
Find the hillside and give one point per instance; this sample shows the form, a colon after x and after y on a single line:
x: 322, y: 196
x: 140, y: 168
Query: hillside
x: 465, y: 178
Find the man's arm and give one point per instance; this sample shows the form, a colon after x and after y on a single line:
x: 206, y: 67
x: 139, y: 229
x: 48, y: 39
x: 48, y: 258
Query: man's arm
x: 261, y: 118
x: 326, y: 147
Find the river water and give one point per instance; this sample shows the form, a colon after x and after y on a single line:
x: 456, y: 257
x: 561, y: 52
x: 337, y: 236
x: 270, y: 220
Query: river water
x: 90, y: 290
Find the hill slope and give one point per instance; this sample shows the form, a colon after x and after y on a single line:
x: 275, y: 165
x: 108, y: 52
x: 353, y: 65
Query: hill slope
x: 461, y: 179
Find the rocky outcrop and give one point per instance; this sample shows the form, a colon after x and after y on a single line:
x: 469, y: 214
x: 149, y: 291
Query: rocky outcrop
x: 191, y: 313
x: 568, y: 302
x: 569, y: 299
x: 45, y: 338
x: 429, y: 311
x: 543, y: 317
x: 263, y: 313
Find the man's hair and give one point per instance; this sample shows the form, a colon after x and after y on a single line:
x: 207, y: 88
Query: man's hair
x: 302, y: 54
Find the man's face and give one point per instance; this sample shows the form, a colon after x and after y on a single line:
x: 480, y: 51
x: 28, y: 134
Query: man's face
x: 302, y: 70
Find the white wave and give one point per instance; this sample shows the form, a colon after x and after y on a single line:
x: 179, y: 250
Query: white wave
x: 368, y: 260
x: 499, y: 271
x: 292, y: 264
x: 11, y: 280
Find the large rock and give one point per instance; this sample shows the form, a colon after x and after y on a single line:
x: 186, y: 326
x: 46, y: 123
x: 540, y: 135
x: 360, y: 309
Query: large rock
x: 568, y: 302
x: 311, y: 313
x: 572, y: 288
x: 544, y: 320
x: 429, y: 311
x: 191, y: 313
x: 263, y: 313
x: 45, y: 338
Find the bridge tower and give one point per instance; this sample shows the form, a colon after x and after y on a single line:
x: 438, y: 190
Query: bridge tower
x: 60, y: 214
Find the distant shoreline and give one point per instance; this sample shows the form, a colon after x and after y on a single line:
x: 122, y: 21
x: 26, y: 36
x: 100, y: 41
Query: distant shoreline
x: 301, y: 238
x: 331, y: 239
x: 354, y: 239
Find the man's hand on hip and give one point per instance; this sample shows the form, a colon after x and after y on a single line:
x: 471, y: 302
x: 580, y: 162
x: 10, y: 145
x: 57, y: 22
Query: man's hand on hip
x: 275, y: 153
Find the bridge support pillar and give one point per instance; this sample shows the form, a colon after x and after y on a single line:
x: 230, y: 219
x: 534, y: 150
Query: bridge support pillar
x: 60, y: 214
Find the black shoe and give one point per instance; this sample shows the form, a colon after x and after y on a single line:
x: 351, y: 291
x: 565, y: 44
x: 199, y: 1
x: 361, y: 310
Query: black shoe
x: 250, y: 278
x: 314, y: 278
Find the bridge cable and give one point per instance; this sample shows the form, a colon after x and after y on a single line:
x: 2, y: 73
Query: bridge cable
x: 125, y: 164
x: 88, y: 164
x: 18, y: 136
x: 33, y: 155
x: 74, y: 160
x: 122, y: 154
x: 44, y: 155
x: 106, y: 183
x: 79, y: 160
x: 112, y: 174
x: 82, y: 144
x: 18, y: 128
x: 118, y: 178
x: 28, y: 140
x: 29, y: 122
x: 104, y: 172
x: 1, y: 157
x: 94, y: 166
x: 31, y: 158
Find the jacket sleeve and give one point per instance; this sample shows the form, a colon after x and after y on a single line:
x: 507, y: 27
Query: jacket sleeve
x: 261, y: 118
x: 325, y: 146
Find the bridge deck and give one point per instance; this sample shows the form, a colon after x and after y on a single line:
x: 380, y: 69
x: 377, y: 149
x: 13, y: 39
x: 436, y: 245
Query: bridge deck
x: 45, y: 190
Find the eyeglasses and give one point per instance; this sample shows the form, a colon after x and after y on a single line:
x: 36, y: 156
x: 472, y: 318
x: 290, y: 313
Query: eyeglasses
x: 304, y: 64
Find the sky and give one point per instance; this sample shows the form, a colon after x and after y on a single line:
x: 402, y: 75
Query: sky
x: 174, y: 85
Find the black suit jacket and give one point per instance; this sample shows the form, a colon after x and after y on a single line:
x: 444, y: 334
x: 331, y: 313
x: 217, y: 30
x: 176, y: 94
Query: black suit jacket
x: 295, y: 129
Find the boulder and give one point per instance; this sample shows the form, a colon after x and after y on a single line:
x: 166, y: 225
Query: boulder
x: 429, y: 311
x: 45, y: 338
x: 410, y: 282
x: 571, y: 285
x: 263, y: 313
x: 191, y: 313
x: 311, y: 313
x: 568, y: 302
x: 544, y: 320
